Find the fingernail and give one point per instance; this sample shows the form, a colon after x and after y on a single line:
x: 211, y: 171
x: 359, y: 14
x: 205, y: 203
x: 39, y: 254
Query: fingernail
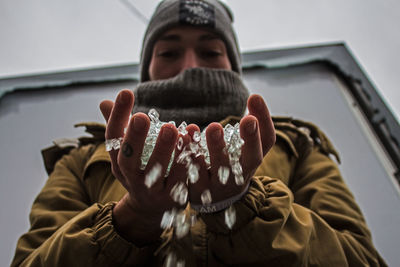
x: 258, y: 102
x: 122, y: 97
x: 216, y: 135
x: 167, y: 134
x: 251, y: 127
x: 139, y: 123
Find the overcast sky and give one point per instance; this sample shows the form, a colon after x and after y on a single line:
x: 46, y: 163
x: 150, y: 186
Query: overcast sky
x: 53, y: 35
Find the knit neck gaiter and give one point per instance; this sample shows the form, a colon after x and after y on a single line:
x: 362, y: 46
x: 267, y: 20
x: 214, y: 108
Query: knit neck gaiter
x: 197, y: 95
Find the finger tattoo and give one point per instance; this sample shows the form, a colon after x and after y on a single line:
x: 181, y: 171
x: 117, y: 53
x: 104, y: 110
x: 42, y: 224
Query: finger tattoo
x: 127, y: 150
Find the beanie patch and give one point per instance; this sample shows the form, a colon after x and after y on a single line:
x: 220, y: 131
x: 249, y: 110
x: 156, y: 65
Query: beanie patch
x: 197, y: 13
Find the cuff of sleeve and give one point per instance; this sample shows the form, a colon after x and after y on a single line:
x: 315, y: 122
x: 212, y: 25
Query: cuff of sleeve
x: 246, y: 209
x: 113, y: 246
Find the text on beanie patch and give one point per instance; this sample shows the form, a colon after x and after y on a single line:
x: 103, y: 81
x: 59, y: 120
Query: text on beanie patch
x: 196, y: 12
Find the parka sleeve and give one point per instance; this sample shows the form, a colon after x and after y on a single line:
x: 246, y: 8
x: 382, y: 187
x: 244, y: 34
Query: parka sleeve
x: 314, y: 223
x: 68, y: 230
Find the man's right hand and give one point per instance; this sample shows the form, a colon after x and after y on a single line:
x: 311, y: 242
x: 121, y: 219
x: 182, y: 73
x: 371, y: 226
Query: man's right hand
x: 138, y: 214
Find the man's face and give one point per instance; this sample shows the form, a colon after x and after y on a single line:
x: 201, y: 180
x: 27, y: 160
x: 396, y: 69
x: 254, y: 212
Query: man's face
x: 186, y: 47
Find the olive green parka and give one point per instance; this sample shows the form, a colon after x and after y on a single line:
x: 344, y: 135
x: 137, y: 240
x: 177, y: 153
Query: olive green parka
x: 297, y: 212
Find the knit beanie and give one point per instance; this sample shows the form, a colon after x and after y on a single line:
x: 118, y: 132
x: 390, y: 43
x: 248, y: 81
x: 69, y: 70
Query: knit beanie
x: 211, y: 14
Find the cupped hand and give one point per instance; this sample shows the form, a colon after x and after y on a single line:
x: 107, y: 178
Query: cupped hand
x: 257, y: 131
x: 138, y: 214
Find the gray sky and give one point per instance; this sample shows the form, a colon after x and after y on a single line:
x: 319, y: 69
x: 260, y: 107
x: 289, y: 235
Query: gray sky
x: 53, y: 35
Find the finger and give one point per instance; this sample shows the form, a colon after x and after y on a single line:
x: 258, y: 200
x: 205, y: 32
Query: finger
x: 259, y: 109
x: 163, y: 149
x: 106, y: 107
x: 192, y: 128
x: 252, y: 153
x: 216, y: 145
x: 203, y: 182
x: 115, y: 127
x: 218, y: 156
x: 129, y: 159
x: 120, y: 113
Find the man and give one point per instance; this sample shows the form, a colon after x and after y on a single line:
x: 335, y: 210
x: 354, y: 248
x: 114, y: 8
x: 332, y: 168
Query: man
x: 292, y: 208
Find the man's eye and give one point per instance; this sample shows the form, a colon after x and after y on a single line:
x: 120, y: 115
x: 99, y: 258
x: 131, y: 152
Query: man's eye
x: 168, y: 54
x: 211, y: 53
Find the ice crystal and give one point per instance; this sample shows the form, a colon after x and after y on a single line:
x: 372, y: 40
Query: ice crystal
x: 184, y: 157
x: 153, y: 175
x: 196, y: 136
x: 179, y: 145
x: 168, y: 219
x: 182, y: 128
x: 193, y: 219
x: 171, y: 260
x: 179, y: 193
x: 178, y: 221
x: 237, y: 171
x: 114, y: 143
x: 154, y: 130
x: 239, y: 179
x: 193, y: 173
x: 230, y: 217
x: 206, y: 197
x: 228, y: 132
x: 187, y: 154
x: 153, y: 115
x: 223, y: 174
x: 182, y: 225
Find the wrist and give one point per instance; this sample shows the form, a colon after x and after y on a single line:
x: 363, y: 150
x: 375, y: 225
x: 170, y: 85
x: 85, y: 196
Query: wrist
x: 220, y: 205
x: 134, y: 224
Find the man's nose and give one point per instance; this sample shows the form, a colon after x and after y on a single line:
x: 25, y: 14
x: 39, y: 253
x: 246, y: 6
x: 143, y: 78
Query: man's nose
x: 190, y: 60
